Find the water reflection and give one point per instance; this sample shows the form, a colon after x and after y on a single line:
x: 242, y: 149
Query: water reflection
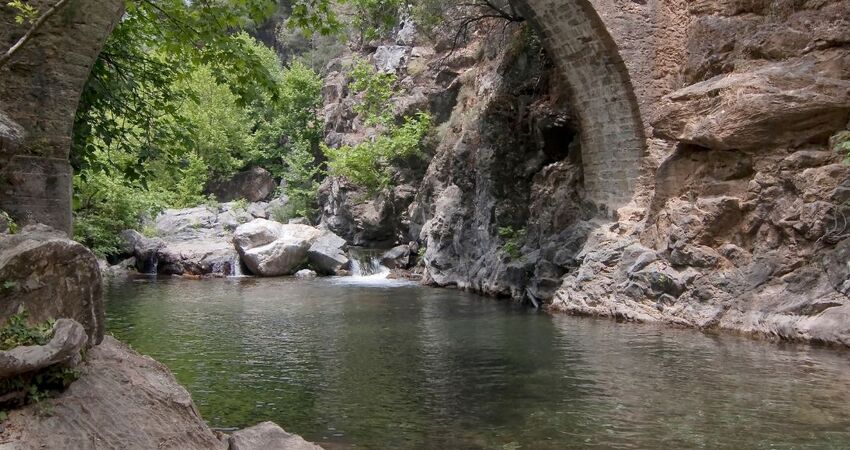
x: 399, y: 366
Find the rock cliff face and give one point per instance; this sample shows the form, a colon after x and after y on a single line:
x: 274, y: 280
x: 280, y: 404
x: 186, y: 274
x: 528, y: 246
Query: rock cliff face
x: 662, y: 161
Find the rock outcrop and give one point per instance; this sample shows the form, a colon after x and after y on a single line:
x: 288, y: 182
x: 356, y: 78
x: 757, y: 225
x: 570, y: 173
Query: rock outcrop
x: 126, y: 400
x: 268, y: 435
x: 69, y: 338
x: 193, y: 241
x: 670, y: 164
x: 254, y: 185
x: 362, y: 221
x: 51, y: 277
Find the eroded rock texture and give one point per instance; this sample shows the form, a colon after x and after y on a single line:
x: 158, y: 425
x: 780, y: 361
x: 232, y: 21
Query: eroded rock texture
x: 122, y: 400
x: 662, y: 161
x: 744, y: 220
x: 52, y: 277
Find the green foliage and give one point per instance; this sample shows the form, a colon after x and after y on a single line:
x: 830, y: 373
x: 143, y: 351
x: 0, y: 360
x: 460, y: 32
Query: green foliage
x: 315, y: 16
x: 375, y: 19
x: 281, y: 214
x: 376, y: 89
x: 222, y: 135
x: 301, y: 179
x: 105, y: 204
x: 16, y: 332
x: 368, y: 164
x: 24, y: 12
x: 840, y: 143
x: 240, y: 205
x: 514, y: 240
x: 10, y: 223
x: 369, y: 19
x: 292, y: 121
x: 178, y: 97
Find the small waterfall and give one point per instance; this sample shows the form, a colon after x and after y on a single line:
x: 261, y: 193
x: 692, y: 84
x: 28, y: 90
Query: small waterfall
x: 236, y: 268
x: 367, y: 263
x: 152, y: 265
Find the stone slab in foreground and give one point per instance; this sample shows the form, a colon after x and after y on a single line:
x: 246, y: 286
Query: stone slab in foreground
x: 129, y: 401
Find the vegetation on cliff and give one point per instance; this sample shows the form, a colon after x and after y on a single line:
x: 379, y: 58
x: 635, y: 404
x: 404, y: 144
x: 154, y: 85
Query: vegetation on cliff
x: 369, y: 163
x: 180, y: 96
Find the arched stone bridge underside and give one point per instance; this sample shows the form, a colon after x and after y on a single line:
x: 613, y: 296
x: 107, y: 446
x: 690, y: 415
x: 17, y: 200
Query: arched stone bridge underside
x: 612, y: 132
x: 621, y: 59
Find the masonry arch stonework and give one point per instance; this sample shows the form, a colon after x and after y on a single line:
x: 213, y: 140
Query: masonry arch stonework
x: 40, y: 89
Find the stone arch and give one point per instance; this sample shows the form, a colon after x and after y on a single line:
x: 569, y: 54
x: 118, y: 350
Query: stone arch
x: 40, y: 89
x: 612, y: 130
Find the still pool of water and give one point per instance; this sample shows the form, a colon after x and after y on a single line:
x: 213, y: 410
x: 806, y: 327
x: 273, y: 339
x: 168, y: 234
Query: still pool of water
x: 378, y: 364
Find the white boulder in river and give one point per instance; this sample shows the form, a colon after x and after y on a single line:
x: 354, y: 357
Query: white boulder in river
x: 271, y: 249
x: 327, y: 254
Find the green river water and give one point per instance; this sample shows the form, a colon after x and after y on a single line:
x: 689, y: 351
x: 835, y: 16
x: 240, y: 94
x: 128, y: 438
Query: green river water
x: 369, y: 363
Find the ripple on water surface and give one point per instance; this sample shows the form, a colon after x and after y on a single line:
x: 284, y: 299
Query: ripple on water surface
x: 387, y: 364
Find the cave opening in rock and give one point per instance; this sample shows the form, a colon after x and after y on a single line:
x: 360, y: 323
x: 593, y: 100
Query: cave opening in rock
x: 558, y: 143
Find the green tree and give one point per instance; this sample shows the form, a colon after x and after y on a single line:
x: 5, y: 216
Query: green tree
x: 369, y: 164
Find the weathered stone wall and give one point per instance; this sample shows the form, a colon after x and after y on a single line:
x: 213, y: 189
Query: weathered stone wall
x: 601, y: 93
x: 39, y: 91
x: 708, y: 125
x: 740, y: 216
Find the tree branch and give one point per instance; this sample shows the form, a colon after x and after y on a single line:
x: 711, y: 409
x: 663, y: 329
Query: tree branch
x: 4, y: 58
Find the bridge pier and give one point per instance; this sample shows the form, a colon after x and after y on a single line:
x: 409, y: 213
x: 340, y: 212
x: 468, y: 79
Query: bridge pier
x: 39, y: 94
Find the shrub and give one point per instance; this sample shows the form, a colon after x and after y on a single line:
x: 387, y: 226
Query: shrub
x: 301, y: 179
x: 840, y: 143
x: 105, y: 205
x: 514, y: 240
x: 376, y: 89
x: 368, y: 164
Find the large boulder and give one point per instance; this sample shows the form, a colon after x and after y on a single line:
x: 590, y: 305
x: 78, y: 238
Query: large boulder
x: 255, y: 185
x: 200, y: 257
x: 272, y: 249
x: 52, y: 277
x: 268, y: 435
x: 122, y: 400
x: 361, y: 222
x: 391, y: 58
x: 398, y: 257
x: 327, y: 254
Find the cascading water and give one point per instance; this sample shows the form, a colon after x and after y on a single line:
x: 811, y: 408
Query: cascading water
x: 152, y: 265
x: 236, y: 268
x: 366, y: 263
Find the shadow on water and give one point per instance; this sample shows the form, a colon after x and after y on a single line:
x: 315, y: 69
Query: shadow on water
x: 389, y: 364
